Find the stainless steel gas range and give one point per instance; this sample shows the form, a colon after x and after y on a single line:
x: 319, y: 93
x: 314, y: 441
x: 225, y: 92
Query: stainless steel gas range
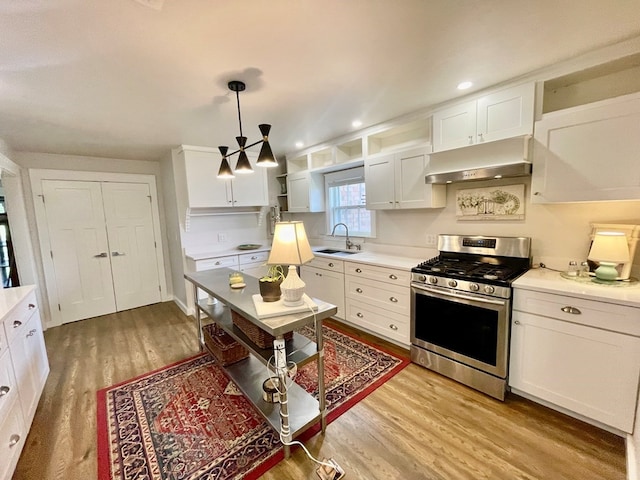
x: 461, y: 308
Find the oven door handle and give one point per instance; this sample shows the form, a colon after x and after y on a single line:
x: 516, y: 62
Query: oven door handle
x: 473, y: 298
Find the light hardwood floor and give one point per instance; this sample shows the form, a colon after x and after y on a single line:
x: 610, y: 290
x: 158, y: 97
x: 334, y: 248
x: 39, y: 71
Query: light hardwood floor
x: 418, y: 425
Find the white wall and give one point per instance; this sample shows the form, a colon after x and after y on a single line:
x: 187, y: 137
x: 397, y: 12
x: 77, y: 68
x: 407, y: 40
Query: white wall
x: 559, y: 232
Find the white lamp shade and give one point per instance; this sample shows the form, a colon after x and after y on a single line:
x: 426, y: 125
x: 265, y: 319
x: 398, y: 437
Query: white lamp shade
x: 290, y: 245
x: 609, y: 247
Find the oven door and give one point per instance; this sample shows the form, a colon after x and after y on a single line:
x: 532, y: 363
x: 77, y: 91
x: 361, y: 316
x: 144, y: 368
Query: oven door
x: 468, y: 328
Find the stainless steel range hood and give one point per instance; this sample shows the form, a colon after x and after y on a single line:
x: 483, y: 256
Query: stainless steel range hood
x: 482, y: 173
x: 498, y: 159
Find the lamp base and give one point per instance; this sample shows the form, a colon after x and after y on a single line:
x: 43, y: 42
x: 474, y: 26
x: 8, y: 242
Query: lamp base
x: 292, y: 288
x: 607, y: 272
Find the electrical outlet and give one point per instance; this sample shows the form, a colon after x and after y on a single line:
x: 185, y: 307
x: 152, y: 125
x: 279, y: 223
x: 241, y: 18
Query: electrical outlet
x: 431, y: 240
x: 222, y: 237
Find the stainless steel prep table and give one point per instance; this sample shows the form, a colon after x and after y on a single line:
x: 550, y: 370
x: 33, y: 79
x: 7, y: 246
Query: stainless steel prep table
x: 297, y: 409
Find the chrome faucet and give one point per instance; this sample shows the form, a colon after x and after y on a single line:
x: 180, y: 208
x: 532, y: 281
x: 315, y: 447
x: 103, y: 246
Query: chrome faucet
x: 349, y: 242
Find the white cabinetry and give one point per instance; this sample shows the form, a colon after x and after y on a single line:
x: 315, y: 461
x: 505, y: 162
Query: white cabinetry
x: 378, y: 299
x: 324, y: 279
x: 503, y: 114
x: 588, y: 153
x: 23, y: 371
x: 306, y: 192
x: 579, y: 355
x: 397, y: 180
x: 206, y: 190
x: 254, y: 264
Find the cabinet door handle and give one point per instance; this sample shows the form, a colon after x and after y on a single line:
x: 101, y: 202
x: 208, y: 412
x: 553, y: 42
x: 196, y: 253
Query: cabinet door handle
x: 101, y: 255
x: 4, y: 389
x: 571, y: 310
x: 15, y: 438
x: 537, y: 193
x: 318, y: 274
x: 470, y: 139
x: 31, y: 306
x: 517, y: 322
x: 254, y: 257
x: 31, y: 332
x: 359, y: 315
x: 359, y: 290
x: 358, y: 270
x: 393, y: 327
x: 331, y: 264
x: 16, y: 323
x: 393, y: 299
x: 481, y: 137
x: 393, y: 277
x: 218, y: 263
x: 118, y: 254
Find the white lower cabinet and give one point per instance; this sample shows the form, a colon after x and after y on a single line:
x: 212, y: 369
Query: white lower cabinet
x: 324, y: 280
x: 23, y: 371
x: 378, y: 299
x: 254, y: 264
x: 580, y: 355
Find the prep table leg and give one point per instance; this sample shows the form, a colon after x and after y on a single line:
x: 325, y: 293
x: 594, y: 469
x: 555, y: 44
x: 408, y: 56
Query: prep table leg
x: 321, y: 387
x: 198, y: 315
x: 280, y: 354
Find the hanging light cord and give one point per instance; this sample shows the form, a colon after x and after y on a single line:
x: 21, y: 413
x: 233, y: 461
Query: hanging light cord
x: 239, y: 117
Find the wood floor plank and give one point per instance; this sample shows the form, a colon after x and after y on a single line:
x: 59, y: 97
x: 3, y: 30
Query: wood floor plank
x: 418, y: 425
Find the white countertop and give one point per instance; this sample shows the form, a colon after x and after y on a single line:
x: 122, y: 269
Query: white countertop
x: 545, y: 280
x: 10, y: 297
x: 196, y: 256
x: 375, y: 258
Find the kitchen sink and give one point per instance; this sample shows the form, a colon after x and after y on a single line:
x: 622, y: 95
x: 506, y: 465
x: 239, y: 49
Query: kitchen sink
x: 331, y: 251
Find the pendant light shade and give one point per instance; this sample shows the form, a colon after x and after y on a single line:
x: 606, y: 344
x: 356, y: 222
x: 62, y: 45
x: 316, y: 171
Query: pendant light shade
x: 265, y: 158
x: 243, y: 166
x: 225, y: 170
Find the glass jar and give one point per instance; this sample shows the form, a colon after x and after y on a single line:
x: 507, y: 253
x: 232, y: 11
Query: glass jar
x: 573, y: 269
x: 235, y: 277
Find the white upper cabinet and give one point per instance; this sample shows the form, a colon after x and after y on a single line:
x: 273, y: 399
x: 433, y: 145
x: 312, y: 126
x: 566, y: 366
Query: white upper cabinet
x: 306, y: 192
x: 588, y: 153
x: 206, y: 190
x: 503, y: 114
x: 397, y: 181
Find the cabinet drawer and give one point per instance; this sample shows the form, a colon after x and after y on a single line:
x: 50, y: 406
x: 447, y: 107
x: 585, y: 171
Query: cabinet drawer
x: 8, y: 388
x: 608, y: 316
x: 16, y: 321
x: 12, y: 439
x: 391, y: 297
x: 389, y: 275
x: 387, y: 324
x: 219, y: 262
x: 256, y: 257
x: 327, y: 264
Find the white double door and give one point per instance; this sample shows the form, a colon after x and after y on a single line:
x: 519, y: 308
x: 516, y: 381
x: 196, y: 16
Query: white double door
x: 103, y: 246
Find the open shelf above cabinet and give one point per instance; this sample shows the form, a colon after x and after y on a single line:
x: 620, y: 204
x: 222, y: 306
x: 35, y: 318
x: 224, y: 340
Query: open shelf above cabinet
x: 399, y: 137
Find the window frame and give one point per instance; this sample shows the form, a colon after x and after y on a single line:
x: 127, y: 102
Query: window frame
x: 345, y: 177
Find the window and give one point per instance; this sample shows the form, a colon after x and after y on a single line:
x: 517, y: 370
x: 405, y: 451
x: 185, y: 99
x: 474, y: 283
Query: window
x: 346, y: 203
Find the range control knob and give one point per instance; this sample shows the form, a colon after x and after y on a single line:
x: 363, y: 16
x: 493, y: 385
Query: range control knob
x: 433, y: 280
x: 452, y: 283
x: 474, y: 287
x: 489, y: 289
x: 422, y: 278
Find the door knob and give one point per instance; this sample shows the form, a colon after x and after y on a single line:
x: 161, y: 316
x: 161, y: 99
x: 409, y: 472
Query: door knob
x: 4, y: 390
x: 13, y: 440
x: 118, y: 254
x: 101, y: 255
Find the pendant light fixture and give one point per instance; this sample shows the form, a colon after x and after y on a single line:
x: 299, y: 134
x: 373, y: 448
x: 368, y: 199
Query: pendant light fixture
x: 243, y: 166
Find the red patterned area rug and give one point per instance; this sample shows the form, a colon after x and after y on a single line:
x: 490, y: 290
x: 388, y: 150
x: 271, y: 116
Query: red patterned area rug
x: 188, y: 421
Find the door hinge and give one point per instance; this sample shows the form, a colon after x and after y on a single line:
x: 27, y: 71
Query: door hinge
x: 51, y: 252
x: 149, y: 197
x: 42, y: 197
x: 159, y: 288
x: 155, y: 245
x: 59, y: 308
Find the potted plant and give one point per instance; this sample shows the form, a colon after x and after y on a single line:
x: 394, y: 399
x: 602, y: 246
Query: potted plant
x: 270, y: 283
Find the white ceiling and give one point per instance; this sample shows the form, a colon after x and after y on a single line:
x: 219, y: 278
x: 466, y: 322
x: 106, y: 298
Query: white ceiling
x: 116, y: 78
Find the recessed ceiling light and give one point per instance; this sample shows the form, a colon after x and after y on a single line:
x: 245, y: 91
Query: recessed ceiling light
x: 356, y: 123
x: 299, y: 144
x: 464, y: 85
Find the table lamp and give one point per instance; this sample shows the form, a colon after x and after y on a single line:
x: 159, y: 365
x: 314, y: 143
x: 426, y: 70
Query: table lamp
x: 609, y: 249
x: 290, y: 247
